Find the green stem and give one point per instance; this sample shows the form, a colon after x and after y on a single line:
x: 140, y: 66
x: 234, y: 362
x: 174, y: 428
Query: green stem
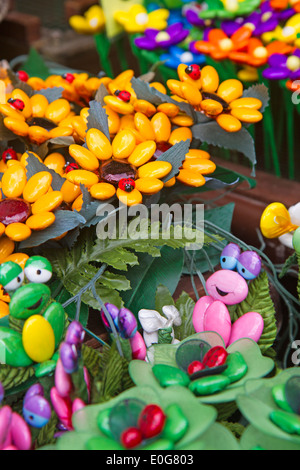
x: 103, y: 49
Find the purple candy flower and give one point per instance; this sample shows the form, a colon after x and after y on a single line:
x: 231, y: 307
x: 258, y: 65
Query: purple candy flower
x: 75, y: 333
x: 282, y: 67
x: 155, y: 39
x: 263, y: 21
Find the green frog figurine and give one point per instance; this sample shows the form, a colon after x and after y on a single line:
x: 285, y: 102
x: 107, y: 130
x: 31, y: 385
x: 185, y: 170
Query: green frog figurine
x: 37, y: 323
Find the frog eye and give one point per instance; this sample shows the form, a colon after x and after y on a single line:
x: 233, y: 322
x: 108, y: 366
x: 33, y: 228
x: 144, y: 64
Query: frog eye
x: 38, y: 270
x: 249, y: 265
x: 11, y: 276
x: 230, y: 256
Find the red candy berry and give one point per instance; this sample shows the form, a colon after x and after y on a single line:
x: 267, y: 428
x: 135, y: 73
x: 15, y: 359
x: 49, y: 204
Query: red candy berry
x: 127, y: 184
x: 9, y: 154
x: 70, y: 167
x: 131, y: 438
x: 123, y: 95
x: 193, y: 71
x: 22, y: 76
x: 194, y: 367
x: 69, y: 77
x: 151, y: 421
x: 17, y: 104
x: 215, y: 357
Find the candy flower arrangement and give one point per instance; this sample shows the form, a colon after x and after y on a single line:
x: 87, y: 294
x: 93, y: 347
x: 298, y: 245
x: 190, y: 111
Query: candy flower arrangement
x: 99, y: 350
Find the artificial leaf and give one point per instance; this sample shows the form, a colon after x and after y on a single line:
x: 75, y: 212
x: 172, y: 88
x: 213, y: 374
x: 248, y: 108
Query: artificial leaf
x: 97, y: 118
x: 289, y: 263
x: 145, y: 92
x: 35, y: 65
x: 65, y: 221
x: 150, y: 273
x: 52, y: 94
x: 259, y: 91
x: 35, y: 166
x: 100, y: 95
x: 53, y: 145
x: 175, y: 155
x: 260, y: 301
x: 212, y: 134
x: 162, y: 297
x: 13, y: 377
x: 185, y: 305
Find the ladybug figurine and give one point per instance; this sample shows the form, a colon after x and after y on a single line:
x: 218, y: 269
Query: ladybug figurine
x: 123, y: 95
x: 9, y: 154
x: 70, y: 167
x: 22, y: 76
x: 193, y: 71
x: 19, y: 105
x: 69, y: 77
x: 127, y: 184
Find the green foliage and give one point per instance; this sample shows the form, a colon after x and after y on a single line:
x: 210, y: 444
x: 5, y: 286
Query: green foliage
x: 12, y: 377
x: 259, y: 300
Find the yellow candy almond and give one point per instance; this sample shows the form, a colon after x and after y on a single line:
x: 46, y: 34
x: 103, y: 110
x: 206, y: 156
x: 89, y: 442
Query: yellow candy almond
x: 39, y: 104
x: 123, y: 144
x: 40, y: 221
x: 247, y: 114
x: 4, y: 309
x: 209, y: 79
x: 229, y: 123
x: 181, y: 134
x: 253, y: 103
x: 18, y: 232
x: 191, y: 94
x: 157, y: 169
x: 86, y: 159
x: 19, y: 258
x: 230, y: 90
x: 70, y: 192
x: 14, y: 181
x: 55, y: 161
x: 47, y: 203
x: 162, y: 127
x: 149, y: 185
x: 205, y: 167
x: 85, y: 177
x: 17, y: 126
x: 99, y: 144
x: 211, y: 107
x: 38, y: 135
x: 102, y: 191
x: 130, y: 199
x: 18, y: 94
x: 191, y: 178
x: 142, y: 153
x: 197, y: 153
x: 58, y: 110
x: 7, y: 247
x: 182, y: 120
x: 38, y: 339
x: 38, y: 185
x: 144, y: 126
x: 170, y: 109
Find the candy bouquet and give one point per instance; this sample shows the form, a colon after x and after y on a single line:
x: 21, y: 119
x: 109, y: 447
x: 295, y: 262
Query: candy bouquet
x: 249, y: 40
x: 97, y: 350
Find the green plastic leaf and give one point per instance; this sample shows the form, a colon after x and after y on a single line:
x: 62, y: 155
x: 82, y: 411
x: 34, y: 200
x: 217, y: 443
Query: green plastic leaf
x: 162, y: 297
x: 35, y: 65
x: 259, y: 300
x: 52, y: 94
x: 13, y: 377
x: 151, y: 272
x: 212, y: 134
x: 256, y: 404
x: 185, y: 305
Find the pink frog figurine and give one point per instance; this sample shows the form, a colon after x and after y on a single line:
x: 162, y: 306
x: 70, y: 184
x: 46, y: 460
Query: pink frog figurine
x: 228, y: 286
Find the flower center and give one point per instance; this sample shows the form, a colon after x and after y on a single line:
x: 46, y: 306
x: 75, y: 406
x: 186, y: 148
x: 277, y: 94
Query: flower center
x: 163, y: 36
x: 187, y: 57
x: 94, y: 22
x: 250, y: 26
x: 141, y: 18
x: 226, y: 45
x: 293, y: 63
x: 288, y: 31
x: 266, y: 16
x: 231, y: 5
x: 260, y: 53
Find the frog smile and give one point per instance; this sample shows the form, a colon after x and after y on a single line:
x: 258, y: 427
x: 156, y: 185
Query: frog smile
x: 222, y: 293
x: 36, y: 305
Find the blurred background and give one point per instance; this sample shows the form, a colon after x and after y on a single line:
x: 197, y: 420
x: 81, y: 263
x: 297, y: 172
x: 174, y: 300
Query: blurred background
x: 44, y: 25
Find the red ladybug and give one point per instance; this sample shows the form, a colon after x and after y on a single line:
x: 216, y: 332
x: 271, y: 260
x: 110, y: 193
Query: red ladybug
x: 22, y: 75
x: 131, y: 438
x: 70, y: 167
x: 17, y: 104
x: 127, y: 184
x: 194, y: 367
x: 215, y: 357
x: 123, y: 95
x: 193, y: 71
x: 9, y: 154
x: 151, y: 421
x: 69, y: 77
